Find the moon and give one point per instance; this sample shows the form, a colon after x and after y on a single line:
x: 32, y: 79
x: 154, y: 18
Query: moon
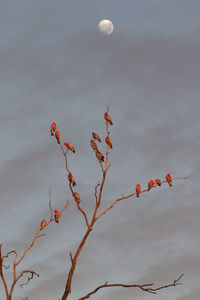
x: 106, y: 26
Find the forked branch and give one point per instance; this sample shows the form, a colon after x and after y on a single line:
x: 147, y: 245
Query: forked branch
x: 21, y: 275
x: 144, y: 287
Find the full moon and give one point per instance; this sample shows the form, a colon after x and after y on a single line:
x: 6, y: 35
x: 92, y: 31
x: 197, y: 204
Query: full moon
x: 106, y: 26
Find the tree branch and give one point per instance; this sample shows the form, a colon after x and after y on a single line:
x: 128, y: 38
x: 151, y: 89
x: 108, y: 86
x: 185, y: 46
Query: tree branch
x: 78, y: 206
x: 1, y: 273
x: 27, y: 249
x: 131, y: 195
x: 72, y: 269
x: 19, y: 276
x: 96, y: 187
x: 145, y: 287
x: 6, y: 256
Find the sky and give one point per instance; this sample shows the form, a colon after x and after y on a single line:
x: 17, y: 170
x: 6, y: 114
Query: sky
x: 56, y: 65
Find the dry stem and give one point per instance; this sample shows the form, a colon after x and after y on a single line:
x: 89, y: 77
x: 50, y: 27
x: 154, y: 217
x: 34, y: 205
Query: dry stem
x: 147, y: 287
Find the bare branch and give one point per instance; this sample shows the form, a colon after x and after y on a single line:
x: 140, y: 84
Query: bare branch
x: 101, y: 166
x: 65, y: 155
x: 79, y: 208
x: 71, y: 257
x: 175, y: 283
x: 66, y: 164
x: 29, y: 277
x: 51, y: 219
x: 131, y: 195
x: 145, y: 287
x: 96, y: 187
x: 19, y: 276
x: 14, y: 266
x: 84, y: 214
x: 27, y: 249
x: 1, y: 273
x: 74, y: 261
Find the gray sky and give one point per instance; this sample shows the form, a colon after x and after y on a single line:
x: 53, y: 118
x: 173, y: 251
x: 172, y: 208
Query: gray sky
x: 55, y: 65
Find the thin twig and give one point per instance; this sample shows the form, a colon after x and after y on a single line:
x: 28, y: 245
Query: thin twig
x: 19, y: 276
x: 186, y: 177
x: 29, y: 277
x: 96, y: 187
x: 10, y: 252
x: 71, y: 257
x: 79, y: 208
x: 27, y: 249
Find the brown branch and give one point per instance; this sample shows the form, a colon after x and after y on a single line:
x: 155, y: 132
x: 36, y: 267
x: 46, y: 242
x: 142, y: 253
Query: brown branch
x: 65, y: 155
x: 145, y: 287
x: 19, y: 276
x: 2, y: 275
x: 96, y: 187
x: 14, y: 265
x: 78, y: 206
x: 101, y: 166
x: 27, y: 249
x: 15, y: 262
x: 131, y: 195
x: 72, y: 269
x: 71, y: 257
x: 84, y: 214
x: 51, y: 219
x: 37, y: 235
